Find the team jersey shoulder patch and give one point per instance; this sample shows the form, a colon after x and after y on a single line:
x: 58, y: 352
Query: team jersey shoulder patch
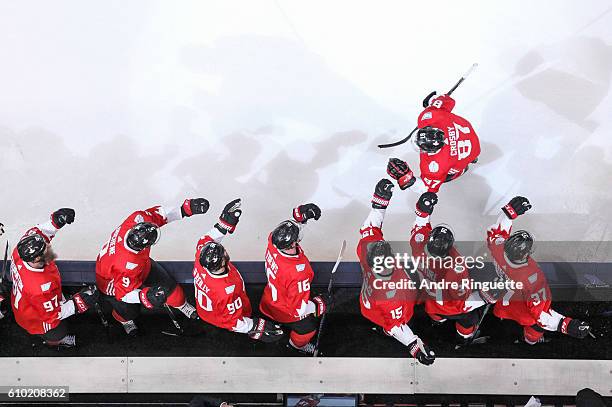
x: 45, y: 287
x: 230, y: 289
x: 419, y: 237
x: 426, y: 116
x: 130, y: 265
x: 139, y: 218
x: 300, y: 267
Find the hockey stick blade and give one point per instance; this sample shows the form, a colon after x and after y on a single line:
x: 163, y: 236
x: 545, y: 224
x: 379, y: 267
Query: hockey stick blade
x: 400, y: 142
x: 173, y: 318
x: 477, y: 341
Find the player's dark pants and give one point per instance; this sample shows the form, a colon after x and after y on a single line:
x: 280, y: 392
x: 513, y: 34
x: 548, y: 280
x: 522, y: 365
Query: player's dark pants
x: 303, y: 330
x: 464, y: 323
x: 158, y: 276
x: 56, y: 334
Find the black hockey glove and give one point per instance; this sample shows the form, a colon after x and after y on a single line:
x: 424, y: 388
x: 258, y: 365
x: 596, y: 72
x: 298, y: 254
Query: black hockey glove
x: 86, y: 298
x: 421, y: 352
x: 307, y: 211
x: 61, y: 217
x: 229, y: 217
x: 574, y: 328
x: 517, y: 206
x: 265, y: 331
x: 425, y: 204
x: 400, y: 171
x: 153, y: 297
x: 427, y: 99
x: 382, y: 194
x: 195, y: 206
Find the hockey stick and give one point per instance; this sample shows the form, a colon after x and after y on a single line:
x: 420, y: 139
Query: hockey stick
x: 329, y: 291
x: 4, y: 265
x: 104, y: 321
x: 175, y: 322
x: 450, y: 92
x: 475, y: 339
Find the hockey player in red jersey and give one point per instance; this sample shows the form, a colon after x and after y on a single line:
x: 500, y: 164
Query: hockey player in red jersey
x: 221, y: 298
x: 390, y: 309
x: 286, y: 298
x: 38, y: 303
x: 440, y: 262
x: 530, y: 306
x: 447, y: 143
x: 128, y: 277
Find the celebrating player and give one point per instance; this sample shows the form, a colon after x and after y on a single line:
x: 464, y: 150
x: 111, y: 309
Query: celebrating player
x: 530, y: 305
x: 286, y: 298
x: 390, y: 309
x: 221, y: 299
x: 440, y: 262
x: 447, y: 143
x: 38, y: 303
x: 129, y: 277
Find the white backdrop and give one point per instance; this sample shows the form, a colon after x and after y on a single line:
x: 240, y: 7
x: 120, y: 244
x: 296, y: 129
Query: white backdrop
x: 112, y: 106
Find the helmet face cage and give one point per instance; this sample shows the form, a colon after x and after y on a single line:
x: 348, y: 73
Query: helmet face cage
x: 285, y: 234
x: 519, y: 246
x: 430, y: 139
x: 212, y: 256
x: 31, y: 247
x: 440, y: 241
x: 143, y: 235
x: 379, y: 249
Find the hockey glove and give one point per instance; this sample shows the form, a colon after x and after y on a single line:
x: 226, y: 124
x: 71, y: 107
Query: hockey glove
x: 265, y: 331
x: 229, y: 217
x: 427, y: 99
x: 85, y: 299
x: 382, y: 194
x: 574, y: 328
x: 323, y: 303
x: 399, y: 171
x: 307, y: 211
x: 517, y: 206
x: 421, y: 352
x: 153, y: 297
x: 425, y: 204
x: 61, y: 217
x: 194, y: 206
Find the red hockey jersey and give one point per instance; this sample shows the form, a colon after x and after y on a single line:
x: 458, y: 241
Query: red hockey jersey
x: 119, y: 269
x: 287, y: 294
x: 447, y: 301
x: 461, y: 144
x: 526, y: 305
x: 221, y: 300
x: 37, y: 296
x: 386, y: 308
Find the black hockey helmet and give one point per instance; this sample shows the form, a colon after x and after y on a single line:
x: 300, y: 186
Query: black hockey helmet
x: 285, y: 234
x: 31, y: 247
x: 440, y: 241
x: 430, y: 139
x: 519, y: 246
x: 142, y: 235
x: 211, y: 257
x: 379, y: 249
